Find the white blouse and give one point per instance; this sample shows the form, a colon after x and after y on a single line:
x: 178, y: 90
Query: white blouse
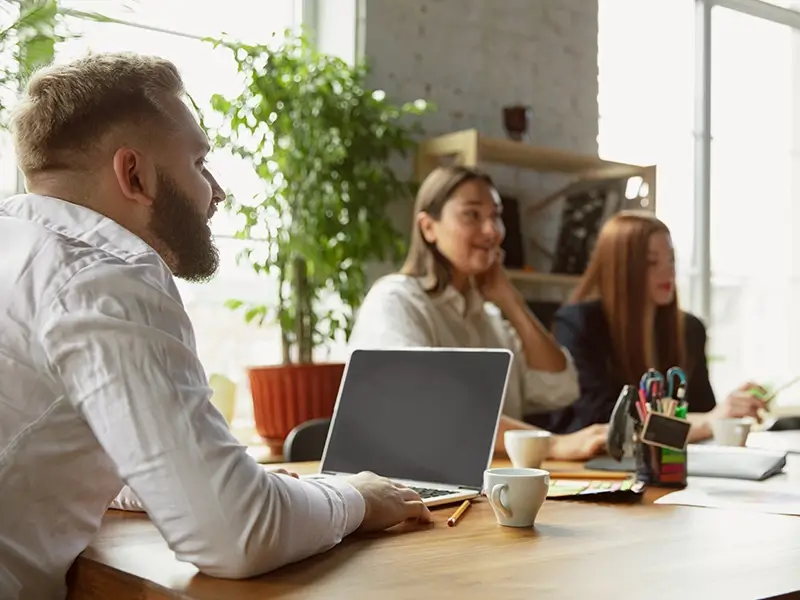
x: 398, y: 312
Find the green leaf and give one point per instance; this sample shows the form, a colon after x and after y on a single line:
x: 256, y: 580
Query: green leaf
x: 28, y: 42
x: 233, y: 304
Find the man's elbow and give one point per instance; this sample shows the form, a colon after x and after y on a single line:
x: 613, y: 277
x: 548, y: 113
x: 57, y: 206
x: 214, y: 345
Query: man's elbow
x: 242, y: 563
x: 239, y: 564
x: 230, y: 568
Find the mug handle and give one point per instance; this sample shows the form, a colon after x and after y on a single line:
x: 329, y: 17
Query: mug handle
x: 494, y: 499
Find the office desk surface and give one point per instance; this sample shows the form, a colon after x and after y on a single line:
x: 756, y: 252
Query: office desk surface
x: 576, y: 550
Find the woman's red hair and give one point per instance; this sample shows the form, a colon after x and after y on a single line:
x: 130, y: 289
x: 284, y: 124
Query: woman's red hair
x: 617, y: 276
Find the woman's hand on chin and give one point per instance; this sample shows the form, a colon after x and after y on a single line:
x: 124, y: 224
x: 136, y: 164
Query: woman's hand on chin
x: 580, y: 445
x: 494, y: 285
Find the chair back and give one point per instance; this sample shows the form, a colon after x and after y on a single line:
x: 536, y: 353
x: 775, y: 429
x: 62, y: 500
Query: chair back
x: 306, y: 442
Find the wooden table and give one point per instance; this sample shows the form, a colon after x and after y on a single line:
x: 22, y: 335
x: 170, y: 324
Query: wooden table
x: 576, y: 550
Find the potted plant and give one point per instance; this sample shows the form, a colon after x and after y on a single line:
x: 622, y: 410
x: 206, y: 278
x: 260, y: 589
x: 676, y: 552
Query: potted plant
x: 321, y: 141
x: 28, y: 40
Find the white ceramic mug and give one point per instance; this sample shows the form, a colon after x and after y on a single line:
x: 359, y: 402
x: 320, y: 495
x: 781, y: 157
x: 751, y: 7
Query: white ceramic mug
x: 516, y: 495
x: 527, y: 448
x: 731, y: 432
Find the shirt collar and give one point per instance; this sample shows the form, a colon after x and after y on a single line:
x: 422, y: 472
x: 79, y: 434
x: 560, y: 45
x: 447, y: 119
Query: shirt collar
x: 467, y: 305
x: 76, y: 222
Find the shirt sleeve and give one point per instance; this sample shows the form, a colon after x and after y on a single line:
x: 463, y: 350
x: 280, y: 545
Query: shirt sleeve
x: 388, y: 318
x: 543, y: 391
x: 119, y: 342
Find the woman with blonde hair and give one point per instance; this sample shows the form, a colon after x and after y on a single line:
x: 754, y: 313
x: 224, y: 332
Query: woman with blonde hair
x: 624, y: 318
x: 453, y: 292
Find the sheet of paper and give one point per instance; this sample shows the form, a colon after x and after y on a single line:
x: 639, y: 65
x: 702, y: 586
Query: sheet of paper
x: 751, y: 496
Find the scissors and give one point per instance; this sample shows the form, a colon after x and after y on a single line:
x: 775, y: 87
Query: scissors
x: 652, y: 376
x: 678, y: 392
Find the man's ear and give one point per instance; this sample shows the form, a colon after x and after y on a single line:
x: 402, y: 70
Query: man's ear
x: 427, y: 226
x: 135, y: 175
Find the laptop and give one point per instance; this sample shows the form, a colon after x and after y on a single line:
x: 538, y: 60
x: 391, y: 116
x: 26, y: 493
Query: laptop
x: 424, y: 417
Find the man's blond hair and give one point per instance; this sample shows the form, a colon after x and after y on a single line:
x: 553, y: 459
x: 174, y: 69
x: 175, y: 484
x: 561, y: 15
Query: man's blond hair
x: 66, y: 110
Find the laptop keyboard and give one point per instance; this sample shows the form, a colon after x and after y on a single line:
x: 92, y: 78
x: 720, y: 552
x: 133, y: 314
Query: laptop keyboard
x: 429, y: 493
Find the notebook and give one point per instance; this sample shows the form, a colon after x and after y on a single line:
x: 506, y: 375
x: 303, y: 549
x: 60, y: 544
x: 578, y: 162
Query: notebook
x: 706, y: 460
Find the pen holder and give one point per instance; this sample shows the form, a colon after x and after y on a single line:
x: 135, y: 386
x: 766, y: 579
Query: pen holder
x: 658, y: 465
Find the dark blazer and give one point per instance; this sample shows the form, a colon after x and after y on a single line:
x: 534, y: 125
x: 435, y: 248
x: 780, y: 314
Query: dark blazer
x: 583, y: 330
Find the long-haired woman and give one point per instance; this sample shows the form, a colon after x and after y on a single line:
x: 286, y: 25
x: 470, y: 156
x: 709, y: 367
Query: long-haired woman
x: 624, y: 318
x: 453, y: 292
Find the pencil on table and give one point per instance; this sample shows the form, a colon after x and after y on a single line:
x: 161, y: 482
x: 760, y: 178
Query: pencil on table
x: 457, y: 515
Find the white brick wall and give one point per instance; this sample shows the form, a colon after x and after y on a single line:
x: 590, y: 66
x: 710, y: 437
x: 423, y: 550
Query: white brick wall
x: 472, y: 57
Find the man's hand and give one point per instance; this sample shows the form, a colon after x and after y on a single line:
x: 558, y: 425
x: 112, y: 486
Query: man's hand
x: 387, y: 503
x: 581, y: 445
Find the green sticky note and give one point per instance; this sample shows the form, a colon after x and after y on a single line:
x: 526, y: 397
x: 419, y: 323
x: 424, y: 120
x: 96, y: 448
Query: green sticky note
x: 670, y: 457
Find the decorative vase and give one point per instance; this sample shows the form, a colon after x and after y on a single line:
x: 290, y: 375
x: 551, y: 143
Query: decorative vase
x: 284, y: 396
x: 516, y: 120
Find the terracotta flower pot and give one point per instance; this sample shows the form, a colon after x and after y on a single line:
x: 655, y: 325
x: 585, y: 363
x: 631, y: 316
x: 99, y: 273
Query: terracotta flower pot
x: 286, y: 395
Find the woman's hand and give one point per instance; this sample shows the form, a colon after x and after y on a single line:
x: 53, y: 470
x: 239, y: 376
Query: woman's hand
x: 494, y: 284
x: 581, y: 445
x: 742, y: 402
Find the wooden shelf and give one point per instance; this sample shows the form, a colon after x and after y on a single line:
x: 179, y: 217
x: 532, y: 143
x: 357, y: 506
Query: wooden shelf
x: 472, y: 148
x: 522, y: 276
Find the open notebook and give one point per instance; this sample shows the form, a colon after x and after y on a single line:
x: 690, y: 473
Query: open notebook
x: 706, y: 460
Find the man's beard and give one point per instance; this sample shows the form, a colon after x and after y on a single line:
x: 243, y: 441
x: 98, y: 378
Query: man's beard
x: 184, y: 232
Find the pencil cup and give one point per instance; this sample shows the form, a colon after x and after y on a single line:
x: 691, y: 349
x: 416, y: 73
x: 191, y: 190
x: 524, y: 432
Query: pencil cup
x: 660, y: 467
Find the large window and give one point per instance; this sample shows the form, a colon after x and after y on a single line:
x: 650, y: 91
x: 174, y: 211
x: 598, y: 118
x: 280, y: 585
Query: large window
x: 174, y: 30
x: 645, y: 102
x: 755, y: 171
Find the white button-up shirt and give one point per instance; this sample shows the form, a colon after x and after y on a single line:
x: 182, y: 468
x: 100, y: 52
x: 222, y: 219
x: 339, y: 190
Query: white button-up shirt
x: 398, y: 312
x: 100, y: 384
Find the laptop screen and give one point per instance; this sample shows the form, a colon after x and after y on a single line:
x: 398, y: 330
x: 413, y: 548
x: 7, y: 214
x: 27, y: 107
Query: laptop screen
x: 426, y: 415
